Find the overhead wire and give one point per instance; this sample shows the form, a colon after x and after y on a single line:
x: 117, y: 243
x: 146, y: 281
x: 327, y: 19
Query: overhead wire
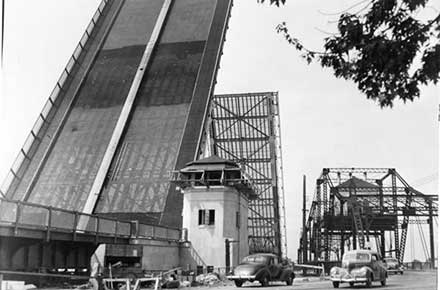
x: 425, y: 179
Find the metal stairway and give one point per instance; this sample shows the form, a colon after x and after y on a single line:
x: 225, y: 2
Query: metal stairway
x: 358, y: 223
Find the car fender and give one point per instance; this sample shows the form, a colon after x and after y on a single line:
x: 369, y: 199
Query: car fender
x: 261, y: 273
x: 383, y: 273
x: 338, y: 270
x: 285, y: 273
x: 369, y: 271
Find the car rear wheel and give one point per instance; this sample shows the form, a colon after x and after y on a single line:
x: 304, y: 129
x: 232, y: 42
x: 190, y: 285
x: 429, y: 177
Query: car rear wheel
x: 383, y: 282
x: 351, y: 284
x: 335, y: 284
x: 238, y: 283
x: 264, y: 281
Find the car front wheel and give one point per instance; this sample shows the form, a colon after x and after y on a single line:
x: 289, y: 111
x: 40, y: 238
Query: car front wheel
x: 383, y: 282
x: 238, y: 283
x: 335, y: 284
x: 264, y: 281
x: 289, y: 280
x: 369, y: 280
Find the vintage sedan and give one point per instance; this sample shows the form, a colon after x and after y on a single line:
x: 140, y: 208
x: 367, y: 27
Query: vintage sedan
x: 393, y: 266
x: 262, y: 268
x: 359, y: 266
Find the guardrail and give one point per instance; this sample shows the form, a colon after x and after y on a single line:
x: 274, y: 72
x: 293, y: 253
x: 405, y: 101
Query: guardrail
x: 51, y: 105
x: 306, y: 269
x: 27, y: 215
x: 417, y: 265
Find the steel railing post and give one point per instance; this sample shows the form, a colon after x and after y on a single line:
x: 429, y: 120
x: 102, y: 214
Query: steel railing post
x: 116, y: 231
x: 97, y: 229
x: 49, y: 224
x: 134, y: 229
x: 75, y: 224
x: 17, y: 217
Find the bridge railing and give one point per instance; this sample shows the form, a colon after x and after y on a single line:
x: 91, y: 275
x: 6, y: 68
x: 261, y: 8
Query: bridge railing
x: 19, y: 215
x: 48, y: 112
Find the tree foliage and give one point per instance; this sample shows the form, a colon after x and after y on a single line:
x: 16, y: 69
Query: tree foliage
x: 383, y: 48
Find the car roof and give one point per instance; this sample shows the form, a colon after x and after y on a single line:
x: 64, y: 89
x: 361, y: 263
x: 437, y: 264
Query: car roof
x: 263, y: 254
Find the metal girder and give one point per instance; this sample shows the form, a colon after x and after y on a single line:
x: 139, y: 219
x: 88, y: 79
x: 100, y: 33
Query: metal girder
x: 381, y: 194
x: 244, y: 129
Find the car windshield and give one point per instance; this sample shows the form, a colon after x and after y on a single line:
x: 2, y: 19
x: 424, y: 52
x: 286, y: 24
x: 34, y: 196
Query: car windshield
x: 356, y: 257
x: 256, y: 259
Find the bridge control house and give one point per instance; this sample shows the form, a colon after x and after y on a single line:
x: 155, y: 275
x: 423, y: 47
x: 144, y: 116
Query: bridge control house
x: 215, y: 209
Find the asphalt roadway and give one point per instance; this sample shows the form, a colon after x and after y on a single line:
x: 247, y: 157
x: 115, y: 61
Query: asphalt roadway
x: 410, y: 280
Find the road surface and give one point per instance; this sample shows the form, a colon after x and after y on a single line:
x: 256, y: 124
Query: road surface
x: 409, y: 281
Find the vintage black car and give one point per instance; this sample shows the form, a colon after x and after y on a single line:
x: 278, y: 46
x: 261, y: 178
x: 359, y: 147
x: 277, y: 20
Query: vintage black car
x: 262, y: 268
x: 393, y: 266
x: 359, y: 266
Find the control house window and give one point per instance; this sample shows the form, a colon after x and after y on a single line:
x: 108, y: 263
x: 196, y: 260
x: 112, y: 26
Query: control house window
x: 237, y: 219
x: 206, y: 217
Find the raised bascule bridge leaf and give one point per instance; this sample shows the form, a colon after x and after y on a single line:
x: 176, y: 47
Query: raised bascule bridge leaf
x: 135, y: 103
x: 129, y: 109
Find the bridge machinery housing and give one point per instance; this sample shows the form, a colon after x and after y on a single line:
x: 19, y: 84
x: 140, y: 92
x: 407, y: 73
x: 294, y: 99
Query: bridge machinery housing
x: 364, y: 208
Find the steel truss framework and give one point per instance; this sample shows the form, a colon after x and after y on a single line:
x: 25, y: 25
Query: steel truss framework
x: 387, y: 202
x: 245, y: 128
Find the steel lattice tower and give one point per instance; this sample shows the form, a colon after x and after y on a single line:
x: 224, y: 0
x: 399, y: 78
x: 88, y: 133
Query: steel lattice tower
x: 386, y: 203
x: 245, y: 128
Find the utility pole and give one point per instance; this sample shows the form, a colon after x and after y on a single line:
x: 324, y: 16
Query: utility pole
x: 304, y: 237
x: 431, y: 235
x: 3, y: 38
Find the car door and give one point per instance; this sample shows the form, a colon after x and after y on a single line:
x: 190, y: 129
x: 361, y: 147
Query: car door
x: 274, y: 267
x: 375, y: 266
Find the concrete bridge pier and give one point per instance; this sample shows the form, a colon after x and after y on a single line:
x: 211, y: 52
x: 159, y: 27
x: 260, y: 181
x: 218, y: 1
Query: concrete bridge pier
x: 35, y: 255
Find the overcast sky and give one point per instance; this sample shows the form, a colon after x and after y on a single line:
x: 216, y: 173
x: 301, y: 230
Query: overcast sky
x: 325, y: 121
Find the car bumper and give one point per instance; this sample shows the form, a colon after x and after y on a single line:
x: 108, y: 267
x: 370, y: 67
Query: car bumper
x: 394, y: 270
x: 241, y: 277
x: 348, y: 279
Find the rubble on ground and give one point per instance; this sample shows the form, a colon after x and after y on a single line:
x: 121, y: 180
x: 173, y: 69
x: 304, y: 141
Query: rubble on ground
x: 208, y: 279
x: 185, y: 284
